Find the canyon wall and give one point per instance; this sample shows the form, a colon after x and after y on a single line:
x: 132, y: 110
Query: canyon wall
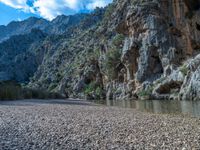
x: 161, y: 38
x: 130, y: 50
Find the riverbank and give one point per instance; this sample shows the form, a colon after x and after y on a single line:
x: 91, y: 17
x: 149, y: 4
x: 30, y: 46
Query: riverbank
x: 71, y: 124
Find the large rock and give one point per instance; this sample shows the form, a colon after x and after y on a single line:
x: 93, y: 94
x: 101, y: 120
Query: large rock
x: 168, y: 87
x: 190, y: 89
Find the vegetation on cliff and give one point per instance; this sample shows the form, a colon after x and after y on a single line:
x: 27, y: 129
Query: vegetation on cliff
x: 128, y: 50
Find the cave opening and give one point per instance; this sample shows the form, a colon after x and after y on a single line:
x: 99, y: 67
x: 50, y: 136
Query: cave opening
x: 134, y: 62
x: 197, y: 26
x: 155, y: 68
x: 169, y: 87
x: 193, y: 5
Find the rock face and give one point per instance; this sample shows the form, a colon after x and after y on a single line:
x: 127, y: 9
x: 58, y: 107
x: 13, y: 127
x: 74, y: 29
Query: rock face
x: 190, y: 86
x: 161, y: 36
x: 132, y: 49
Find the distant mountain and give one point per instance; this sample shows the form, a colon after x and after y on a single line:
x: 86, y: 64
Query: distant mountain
x: 61, y: 23
x: 20, y: 56
x: 22, y: 27
x: 57, y: 26
x: 28, y: 42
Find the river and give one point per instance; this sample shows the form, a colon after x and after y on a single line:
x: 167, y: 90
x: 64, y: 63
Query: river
x: 157, y: 106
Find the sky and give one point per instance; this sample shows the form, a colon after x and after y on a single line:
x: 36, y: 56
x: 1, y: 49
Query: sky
x: 17, y: 10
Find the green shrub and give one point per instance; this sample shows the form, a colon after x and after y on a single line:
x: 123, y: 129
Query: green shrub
x: 10, y: 90
x: 98, y: 92
x: 93, y: 90
x: 147, y: 92
x: 184, y: 70
x: 113, y: 58
x: 89, y: 88
x: 94, y: 54
x: 40, y: 94
x: 118, y: 40
x: 109, y: 11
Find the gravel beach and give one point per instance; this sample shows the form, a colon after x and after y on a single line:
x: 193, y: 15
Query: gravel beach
x: 74, y: 124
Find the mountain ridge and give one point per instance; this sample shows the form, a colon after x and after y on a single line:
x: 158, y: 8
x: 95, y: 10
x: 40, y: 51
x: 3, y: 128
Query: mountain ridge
x: 50, y: 27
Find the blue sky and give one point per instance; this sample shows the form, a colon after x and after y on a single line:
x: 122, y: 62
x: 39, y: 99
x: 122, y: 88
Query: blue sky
x: 21, y: 9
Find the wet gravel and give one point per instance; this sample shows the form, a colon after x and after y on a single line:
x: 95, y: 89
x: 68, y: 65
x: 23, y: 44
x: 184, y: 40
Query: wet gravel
x: 80, y: 125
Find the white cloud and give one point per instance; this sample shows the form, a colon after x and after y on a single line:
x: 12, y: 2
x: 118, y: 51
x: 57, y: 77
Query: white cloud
x: 71, y: 3
x: 97, y: 3
x: 19, y: 19
x: 18, y: 4
x: 49, y: 9
x: 52, y: 8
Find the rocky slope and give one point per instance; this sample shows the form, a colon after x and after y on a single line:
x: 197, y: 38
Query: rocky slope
x: 132, y: 49
x: 20, y: 56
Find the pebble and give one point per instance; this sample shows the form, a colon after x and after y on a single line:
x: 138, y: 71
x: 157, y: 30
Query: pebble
x: 70, y: 126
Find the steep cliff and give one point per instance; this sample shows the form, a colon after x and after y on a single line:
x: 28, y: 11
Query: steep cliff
x: 131, y: 49
x: 160, y: 37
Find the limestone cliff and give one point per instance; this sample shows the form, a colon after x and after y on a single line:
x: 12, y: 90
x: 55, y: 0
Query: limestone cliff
x: 160, y: 37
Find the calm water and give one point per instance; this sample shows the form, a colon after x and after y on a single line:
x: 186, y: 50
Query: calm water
x: 158, y: 106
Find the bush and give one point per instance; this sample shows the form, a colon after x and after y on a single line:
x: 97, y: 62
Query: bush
x: 10, y: 90
x: 93, y: 91
x: 118, y: 40
x: 89, y: 88
x: 146, y: 92
x: 184, y: 70
x: 109, y: 11
x: 99, y: 92
x: 113, y: 58
x: 94, y: 54
x: 39, y: 94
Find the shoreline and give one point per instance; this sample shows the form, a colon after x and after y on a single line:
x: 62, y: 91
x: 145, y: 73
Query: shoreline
x: 35, y: 125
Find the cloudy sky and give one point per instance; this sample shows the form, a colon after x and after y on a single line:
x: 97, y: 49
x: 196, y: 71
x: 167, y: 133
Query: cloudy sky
x: 48, y: 9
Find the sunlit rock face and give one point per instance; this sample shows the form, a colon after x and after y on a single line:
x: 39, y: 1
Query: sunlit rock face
x: 159, y: 34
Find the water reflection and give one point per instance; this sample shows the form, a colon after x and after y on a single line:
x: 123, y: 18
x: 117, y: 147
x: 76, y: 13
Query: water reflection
x: 157, y: 106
